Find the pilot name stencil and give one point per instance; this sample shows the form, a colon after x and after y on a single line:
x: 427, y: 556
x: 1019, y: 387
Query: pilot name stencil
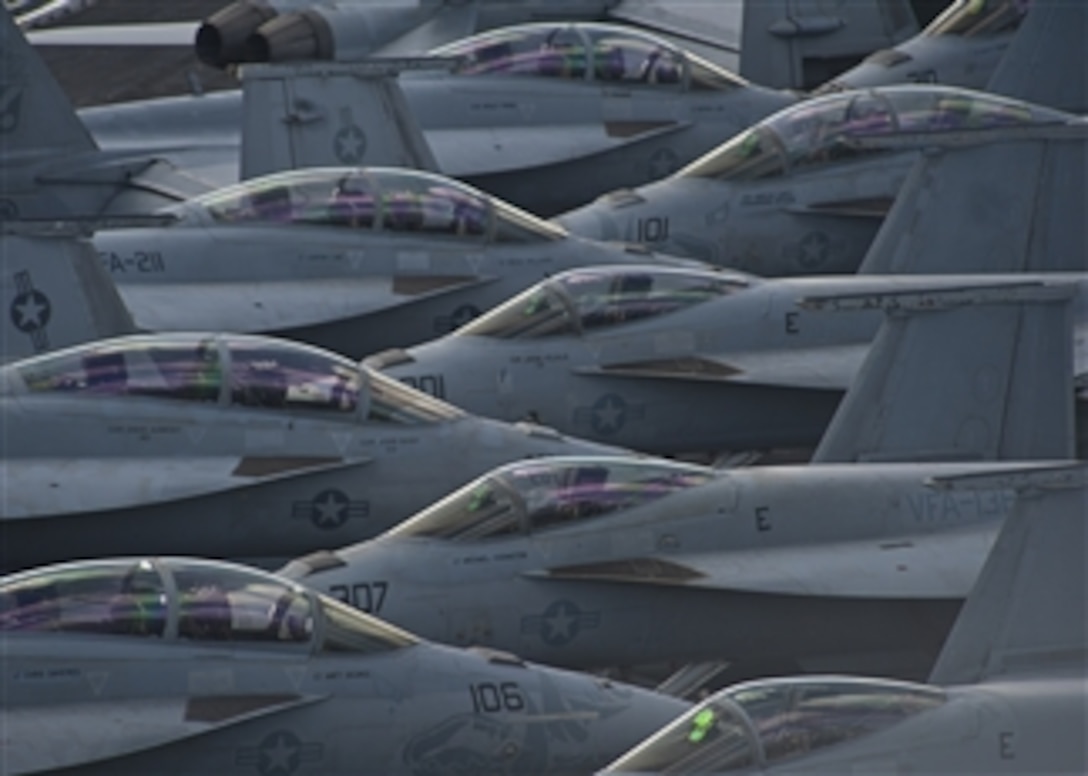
x: 330, y: 509
x: 560, y: 623
x: 280, y: 753
x: 30, y: 311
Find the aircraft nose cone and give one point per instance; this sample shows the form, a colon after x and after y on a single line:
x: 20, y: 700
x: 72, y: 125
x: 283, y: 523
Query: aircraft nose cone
x: 625, y: 716
x: 592, y: 221
x: 551, y: 442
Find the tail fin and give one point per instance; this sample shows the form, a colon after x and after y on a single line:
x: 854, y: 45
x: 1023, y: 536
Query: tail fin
x: 960, y: 374
x: 1006, y: 206
x: 1044, y: 63
x: 1027, y: 609
x: 54, y: 293
x: 801, y: 44
x: 35, y: 113
x: 330, y: 114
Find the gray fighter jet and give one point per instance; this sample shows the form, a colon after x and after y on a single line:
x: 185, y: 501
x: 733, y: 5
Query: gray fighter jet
x: 354, y: 260
x: 670, y: 361
x: 591, y: 561
x: 805, y: 191
x: 174, y: 666
x: 225, y: 445
x: 961, y: 47
x: 1009, y: 693
x: 553, y: 114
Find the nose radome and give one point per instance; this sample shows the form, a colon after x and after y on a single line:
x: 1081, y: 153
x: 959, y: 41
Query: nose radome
x: 554, y: 443
x: 623, y: 715
x: 594, y: 221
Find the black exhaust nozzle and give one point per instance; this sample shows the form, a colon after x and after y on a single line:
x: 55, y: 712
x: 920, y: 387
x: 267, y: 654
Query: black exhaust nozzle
x: 291, y: 37
x: 221, y: 39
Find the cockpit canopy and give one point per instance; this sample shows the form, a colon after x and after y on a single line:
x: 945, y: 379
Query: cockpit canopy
x: 822, y: 130
x: 587, y: 52
x: 979, y: 18
x: 389, y: 200
x: 766, y: 722
x: 550, y: 493
x: 236, y: 370
x: 581, y: 301
x: 188, y: 600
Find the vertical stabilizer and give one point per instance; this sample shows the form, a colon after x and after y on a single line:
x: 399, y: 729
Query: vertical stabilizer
x: 329, y: 115
x: 1028, y: 610
x: 35, y: 113
x: 1012, y: 205
x: 54, y: 293
x: 960, y: 374
x: 800, y: 44
x: 1045, y: 62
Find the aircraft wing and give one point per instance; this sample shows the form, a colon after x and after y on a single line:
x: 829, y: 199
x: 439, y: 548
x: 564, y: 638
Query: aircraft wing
x: 279, y: 305
x: 48, y: 737
x: 56, y: 486
x: 149, y: 34
x: 938, y: 565
x: 824, y: 368
x: 503, y: 149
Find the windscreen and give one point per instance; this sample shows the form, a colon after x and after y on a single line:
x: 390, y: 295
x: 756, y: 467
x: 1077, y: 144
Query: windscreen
x: 975, y: 18
x: 537, y: 496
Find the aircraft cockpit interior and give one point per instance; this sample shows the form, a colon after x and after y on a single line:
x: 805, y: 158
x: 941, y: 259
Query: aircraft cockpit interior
x: 581, y: 301
x: 592, y: 52
x: 535, y: 496
x: 187, y: 600
x: 823, y: 130
x: 767, y: 722
x: 387, y: 200
x: 235, y: 370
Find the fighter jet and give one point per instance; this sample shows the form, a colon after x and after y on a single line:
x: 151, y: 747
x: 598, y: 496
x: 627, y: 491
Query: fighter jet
x: 1009, y: 693
x: 354, y: 260
x: 804, y: 191
x: 526, y: 108
x: 180, y: 666
x: 961, y: 47
x: 678, y: 361
x: 602, y: 562
x: 670, y: 361
x: 227, y: 446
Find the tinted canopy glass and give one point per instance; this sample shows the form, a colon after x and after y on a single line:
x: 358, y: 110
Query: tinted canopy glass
x: 595, y: 52
x: 711, y: 738
x: 795, y: 716
x: 245, y: 371
x: 586, y: 300
x: 188, y: 600
x: 824, y: 130
x: 398, y: 201
x: 776, y: 720
x: 540, y: 495
x: 971, y: 18
x: 168, y: 366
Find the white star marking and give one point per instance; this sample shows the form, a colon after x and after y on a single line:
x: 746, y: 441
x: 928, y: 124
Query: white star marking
x: 560, y: 623
x: 278, y: 756
x: 608, y: 414
x: 30, y: 312
x: 330, y: 510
